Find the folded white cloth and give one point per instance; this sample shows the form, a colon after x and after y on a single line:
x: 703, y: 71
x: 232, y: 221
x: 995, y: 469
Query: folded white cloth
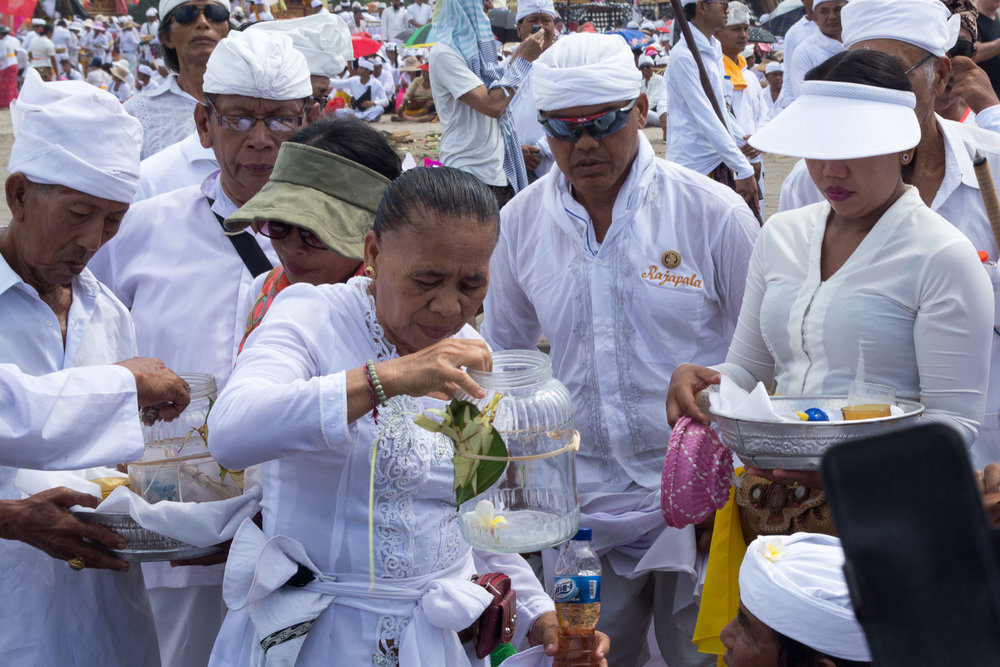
x: 439, y: 604
x: 734, y: 402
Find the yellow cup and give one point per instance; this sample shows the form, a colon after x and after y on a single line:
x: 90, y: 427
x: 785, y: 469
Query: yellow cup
x: 866, y: 411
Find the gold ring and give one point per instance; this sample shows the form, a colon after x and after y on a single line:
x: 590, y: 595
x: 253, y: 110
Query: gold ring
x: 77, y: 563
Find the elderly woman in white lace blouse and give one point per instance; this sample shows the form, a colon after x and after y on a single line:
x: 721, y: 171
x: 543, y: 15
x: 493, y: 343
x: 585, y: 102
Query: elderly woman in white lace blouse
x: 306, y: 401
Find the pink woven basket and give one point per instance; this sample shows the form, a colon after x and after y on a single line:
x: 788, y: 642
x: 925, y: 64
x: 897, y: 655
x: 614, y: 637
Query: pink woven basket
x: 697, y: 474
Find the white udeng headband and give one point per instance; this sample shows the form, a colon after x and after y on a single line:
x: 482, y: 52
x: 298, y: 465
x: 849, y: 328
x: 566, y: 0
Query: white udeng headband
x: 584, y: 69
x: 856, y: 120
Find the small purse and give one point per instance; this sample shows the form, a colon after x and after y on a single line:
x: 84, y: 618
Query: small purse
x: 770, y: 508
x: 496, y: 624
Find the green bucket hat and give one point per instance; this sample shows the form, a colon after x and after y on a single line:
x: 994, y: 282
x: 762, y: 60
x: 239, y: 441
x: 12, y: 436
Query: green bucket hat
x: 327, y: 194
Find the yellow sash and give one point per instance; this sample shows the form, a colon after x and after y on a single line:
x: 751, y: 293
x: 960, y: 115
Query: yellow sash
x: 734, y: 70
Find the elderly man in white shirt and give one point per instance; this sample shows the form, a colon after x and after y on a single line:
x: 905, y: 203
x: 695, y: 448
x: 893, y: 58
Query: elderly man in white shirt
x: 918, y: 33
x: 395, y: 19
x: 653, y: 86
x: 629, y: 265
x: 74, y: 167
x: 696, y: 138
x: 419, y: 13
x: 183, y: 278
x: 816, y: 49
x: 534, y: 149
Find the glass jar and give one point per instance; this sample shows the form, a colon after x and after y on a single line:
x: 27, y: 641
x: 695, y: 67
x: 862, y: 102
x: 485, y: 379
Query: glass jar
x: 176, y: 464
x: 536, y: 495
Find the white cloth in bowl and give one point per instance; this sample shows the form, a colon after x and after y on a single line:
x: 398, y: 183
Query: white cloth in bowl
x: 736, y: 403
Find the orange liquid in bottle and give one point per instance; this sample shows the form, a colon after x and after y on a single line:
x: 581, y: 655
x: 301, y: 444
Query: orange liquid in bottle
x: 866, y: 411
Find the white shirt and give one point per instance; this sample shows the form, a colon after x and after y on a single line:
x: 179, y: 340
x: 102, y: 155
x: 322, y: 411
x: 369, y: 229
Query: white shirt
x: 421, y: 13
x: 100, y: 78
x: 656, y: 91
x: 62, y: 38
x: 811, y: 53
x: 917, y: 300
x: 179, y: 165
x: 695, y: 137
x: 166, y: 114
x: 10, y: 45
x: 315, y: 473
x: 749, y: 106
x: 42, y: 51
x: 958, y: 200
x: 388, y: 84
x: 798, y: 33
x: 394, y: 22
x: 549, y: 275
x: 122, y: 91
x: 52, y: 615
x: 470, y: 141
x: 352, y: 86
x: 128, y: 41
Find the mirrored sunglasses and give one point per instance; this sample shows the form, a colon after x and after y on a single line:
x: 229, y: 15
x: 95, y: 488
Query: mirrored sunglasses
x: 598, y: 125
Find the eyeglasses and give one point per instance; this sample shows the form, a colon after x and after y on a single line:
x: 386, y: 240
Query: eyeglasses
x: 214, y: 12
x: 321, y: 100
x: 599, y: 125
x: 920, y: 62
x: 245, y: 123
x: 280, y: 230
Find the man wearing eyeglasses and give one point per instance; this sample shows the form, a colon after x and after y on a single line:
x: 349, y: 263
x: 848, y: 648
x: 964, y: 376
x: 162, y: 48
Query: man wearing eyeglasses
x: 815, y: 50
x: 919, y: 34
x: 629, y: 265
x: 696, y: 138
x: 183, y: 278
x: 188, y: 33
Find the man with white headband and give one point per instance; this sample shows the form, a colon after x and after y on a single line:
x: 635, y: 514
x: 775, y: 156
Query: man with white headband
x: 395, y: 20
x: 532, y: 16
x: 795, y: 608
x: 803, y: 29
x: 630, y: 265
x: 919, y: 34
x: 149, y: 43
x: 73, y: 169
x: 775, y: 75
x: 817, y: 48
x: 188, y: 33
x: 654, y: 87
x: 368, y: 97
x: 183, y: 278
x: 747, y: 104
x: 696, y: 138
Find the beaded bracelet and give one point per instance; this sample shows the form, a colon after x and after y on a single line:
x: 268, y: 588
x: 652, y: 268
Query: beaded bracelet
x: 374, y: 385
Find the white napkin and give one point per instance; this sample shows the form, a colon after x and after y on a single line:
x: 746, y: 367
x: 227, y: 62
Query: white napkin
x: 30, y: 482
x: 734, y: 402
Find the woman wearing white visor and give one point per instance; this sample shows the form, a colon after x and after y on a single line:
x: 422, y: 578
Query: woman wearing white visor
x: 871, y: 270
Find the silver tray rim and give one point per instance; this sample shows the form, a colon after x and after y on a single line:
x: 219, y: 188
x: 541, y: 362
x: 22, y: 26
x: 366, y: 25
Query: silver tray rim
x: 183, y: 551
x: 910, y: 409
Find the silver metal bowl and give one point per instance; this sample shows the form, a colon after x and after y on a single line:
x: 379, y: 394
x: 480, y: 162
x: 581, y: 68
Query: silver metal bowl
x: 143, y: 545
x: 800, y: 445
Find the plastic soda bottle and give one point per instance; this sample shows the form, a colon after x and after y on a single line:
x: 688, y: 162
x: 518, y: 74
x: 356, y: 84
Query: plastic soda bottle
x: 578, y: 601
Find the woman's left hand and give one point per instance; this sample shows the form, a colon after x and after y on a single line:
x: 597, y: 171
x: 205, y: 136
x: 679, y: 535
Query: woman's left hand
x: 545, y: 631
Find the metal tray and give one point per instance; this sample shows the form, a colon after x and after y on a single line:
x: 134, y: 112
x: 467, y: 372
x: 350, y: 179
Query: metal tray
x: 800, y: 445
x: 143, y: 546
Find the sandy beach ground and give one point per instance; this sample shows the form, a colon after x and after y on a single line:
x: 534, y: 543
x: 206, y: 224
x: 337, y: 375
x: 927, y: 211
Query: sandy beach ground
x: 423, y: 140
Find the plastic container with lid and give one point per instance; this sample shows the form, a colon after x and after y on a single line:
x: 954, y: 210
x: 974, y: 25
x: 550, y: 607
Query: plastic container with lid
x: 536, y: 495
x: 176, y: 464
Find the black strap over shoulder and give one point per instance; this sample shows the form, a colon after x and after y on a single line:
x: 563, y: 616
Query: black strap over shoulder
x: 248, y: 249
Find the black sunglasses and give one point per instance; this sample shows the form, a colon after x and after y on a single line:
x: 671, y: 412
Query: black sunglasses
x: 280, y: 230
x: 189, y: 13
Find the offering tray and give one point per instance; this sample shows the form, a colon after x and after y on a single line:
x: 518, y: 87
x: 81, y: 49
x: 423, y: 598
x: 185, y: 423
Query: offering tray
x: 800, y: 445
x: 143, y: 545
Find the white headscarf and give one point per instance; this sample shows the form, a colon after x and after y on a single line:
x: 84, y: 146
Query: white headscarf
x: 739, y: 14
x: 258, y: 63
x: 530, y: 7
x: 167, y: 6
x: 324, y: 39
x: 364, y: 63
x: 923, y: 23
x: 773, y: 67
x: 74, y: 134
x: 795, y: 585
x: 584, y: 69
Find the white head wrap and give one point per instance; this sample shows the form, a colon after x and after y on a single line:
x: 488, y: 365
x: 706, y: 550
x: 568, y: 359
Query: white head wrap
x: 632, y: 25
x: 817, y: 3
x: 773, y: 67
x: 74, y: 134
x: 364, y: 63
x: 662, y: 61
x: 644, y: 60
x: 258, y: 63
x: 151, y: 11
x: 324, y: 39
x: 530, y: 7
x: 159, y: 63
x: 316, y: 3
x: 37, y: 22
x: 795, y: 585
x: 739, y: 14
x: 146, y: 69
x: 167, y: 6
x: 856, y: 121
x: 584, y: 69
x: 923, y: 23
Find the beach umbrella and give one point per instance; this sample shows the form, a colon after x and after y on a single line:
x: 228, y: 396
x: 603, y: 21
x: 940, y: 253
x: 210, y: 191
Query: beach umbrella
x: 636, y: 39
x: 418, y: 40
x: 784, y: 16
x: 405, y: 35
x: 364, y: 45
x: 758, y: 34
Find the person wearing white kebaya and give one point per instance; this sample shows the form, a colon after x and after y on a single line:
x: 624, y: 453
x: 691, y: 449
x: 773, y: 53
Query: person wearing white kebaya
x: 621, y: 304
x: 184, y: 281
x: 74, y: 167
x: 816, y: 49
x: 696, y: 138
x: 910, y: 284
x: 323, y: 396
x: 918, y: 32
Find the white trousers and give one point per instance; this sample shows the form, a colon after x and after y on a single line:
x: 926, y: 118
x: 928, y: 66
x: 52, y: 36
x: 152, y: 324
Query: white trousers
x: 187, y: 622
